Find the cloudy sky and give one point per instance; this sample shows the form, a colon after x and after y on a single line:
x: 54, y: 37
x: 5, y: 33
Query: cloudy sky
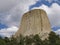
x: 11, y: 12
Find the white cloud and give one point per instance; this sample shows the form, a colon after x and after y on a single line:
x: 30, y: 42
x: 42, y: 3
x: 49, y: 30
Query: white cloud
x: 12, y: 10
x: 57, y: 31
x: 8, y: 32
x: 53, y: 13
x: 49, y: 1
x: 10, y: 14
x: 6, y: 5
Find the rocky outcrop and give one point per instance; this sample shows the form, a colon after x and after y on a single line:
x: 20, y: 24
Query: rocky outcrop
x: 35, y: 22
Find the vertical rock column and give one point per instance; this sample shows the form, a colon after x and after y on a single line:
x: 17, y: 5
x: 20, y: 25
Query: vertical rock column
x: 34, y: 22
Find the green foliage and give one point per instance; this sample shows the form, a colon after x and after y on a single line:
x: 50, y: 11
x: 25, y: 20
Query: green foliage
x: 37, y: 40
x: 21, y: 40
x: 28, y: 40
x: 53, y: 39
x: 2, y: 42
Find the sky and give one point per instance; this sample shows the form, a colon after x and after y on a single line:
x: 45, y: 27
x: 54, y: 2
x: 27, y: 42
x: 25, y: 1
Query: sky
x: 11, y: 12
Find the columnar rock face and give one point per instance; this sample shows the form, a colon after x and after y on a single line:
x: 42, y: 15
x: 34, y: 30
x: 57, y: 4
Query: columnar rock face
x: 34, y: 22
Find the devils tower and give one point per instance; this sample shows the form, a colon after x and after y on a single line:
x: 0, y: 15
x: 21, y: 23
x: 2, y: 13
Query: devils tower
x: 35, y: 22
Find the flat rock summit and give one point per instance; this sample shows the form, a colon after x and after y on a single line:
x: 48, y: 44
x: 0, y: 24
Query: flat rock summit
x: 34, y: 22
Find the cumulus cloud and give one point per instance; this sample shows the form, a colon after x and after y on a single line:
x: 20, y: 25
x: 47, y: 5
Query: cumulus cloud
x: 6, y: 5
x: 51, y: 0
x: 11, y: 10
x: 57, y: 31
x: 53, y: 13
x: 8, y: 32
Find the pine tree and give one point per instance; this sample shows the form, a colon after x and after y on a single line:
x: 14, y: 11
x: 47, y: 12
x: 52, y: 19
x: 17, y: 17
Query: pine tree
x: 54, y: 39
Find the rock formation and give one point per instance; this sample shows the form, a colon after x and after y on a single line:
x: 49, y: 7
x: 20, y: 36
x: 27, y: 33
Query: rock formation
x: 34, y: 22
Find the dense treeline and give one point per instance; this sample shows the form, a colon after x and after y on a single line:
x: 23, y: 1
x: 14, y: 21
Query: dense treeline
x: 53, y: 39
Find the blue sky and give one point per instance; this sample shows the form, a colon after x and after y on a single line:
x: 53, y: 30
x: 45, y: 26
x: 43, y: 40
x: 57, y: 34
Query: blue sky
x: 45, y: 2
x: 11, y: 12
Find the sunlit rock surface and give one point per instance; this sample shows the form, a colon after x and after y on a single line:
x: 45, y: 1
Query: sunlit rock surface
x: 34, y: 22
